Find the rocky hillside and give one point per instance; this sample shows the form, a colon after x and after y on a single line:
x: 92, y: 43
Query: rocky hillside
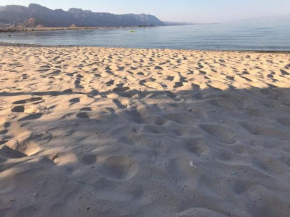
x: 37, y: 15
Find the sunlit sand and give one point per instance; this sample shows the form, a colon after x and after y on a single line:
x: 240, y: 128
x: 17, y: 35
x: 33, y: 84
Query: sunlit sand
x: 141, y: 132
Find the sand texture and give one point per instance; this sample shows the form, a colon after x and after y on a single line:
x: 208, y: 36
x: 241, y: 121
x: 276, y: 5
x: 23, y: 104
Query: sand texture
x: 103, y: 132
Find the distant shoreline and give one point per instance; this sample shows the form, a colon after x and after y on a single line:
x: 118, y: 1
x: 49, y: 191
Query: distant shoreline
x: 6, y: 44
x: 42, y: 29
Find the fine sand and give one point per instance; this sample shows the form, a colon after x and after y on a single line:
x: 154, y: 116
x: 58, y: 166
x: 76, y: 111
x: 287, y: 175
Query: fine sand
x: 142, y: 133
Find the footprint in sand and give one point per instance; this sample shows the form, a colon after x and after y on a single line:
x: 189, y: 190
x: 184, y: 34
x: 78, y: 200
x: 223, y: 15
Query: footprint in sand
x: 88, y: 159
x: 241, y: 187
x: 266, y: 131
x: 269, y: 165
x: 224, y: 134
x: 6, y: 152
x: 78, y: 82
x: 119, y: 168
x: 7, y: 124
x: 32, y: 117
x: 111, y: 82
x: 29, y: 143
x: 178, y: 84
x: 83, y: 115
x: 151, y: 120
x: 35, y: 99
x: 283, y: 72
x: 75, y: 100
x: 270, y: 76
x: 197, y: 146
x: 86, y: 109
x: 120, y: 89
x: 68, y: 91
x: 119, y: 104
x: 25, y: 76
x: 180, y: 118
x: 3, y: 132
x: 198, y: 112
x: 158, y: 68
x: 230, y: 78
x: 18, y: 109
x: 152, y: 128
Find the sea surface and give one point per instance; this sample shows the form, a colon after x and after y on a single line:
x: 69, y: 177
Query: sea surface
x: 197, y: 37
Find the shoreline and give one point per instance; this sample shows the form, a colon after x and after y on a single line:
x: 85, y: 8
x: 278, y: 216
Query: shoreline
x: 5, y: 44
x: 44, y: 29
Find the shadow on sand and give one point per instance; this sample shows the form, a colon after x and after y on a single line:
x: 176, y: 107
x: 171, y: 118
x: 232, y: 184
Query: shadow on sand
x: 191, y: 153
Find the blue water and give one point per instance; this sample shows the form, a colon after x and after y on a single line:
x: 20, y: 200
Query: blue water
x: 197, y: 37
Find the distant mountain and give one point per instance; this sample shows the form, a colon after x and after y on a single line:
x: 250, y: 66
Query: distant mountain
x: 37, y: 15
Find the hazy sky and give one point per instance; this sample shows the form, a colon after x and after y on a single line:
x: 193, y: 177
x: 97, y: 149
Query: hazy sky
x: 174, y: 10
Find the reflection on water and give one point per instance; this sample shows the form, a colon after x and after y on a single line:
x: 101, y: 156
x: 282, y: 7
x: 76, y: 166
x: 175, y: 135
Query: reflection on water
x: 198, y: 37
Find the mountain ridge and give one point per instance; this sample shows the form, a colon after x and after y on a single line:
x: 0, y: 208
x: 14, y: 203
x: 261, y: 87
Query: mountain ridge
x: 20, y: 15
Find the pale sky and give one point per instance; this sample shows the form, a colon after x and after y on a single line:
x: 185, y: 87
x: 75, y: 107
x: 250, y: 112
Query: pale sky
x: 174, y: 10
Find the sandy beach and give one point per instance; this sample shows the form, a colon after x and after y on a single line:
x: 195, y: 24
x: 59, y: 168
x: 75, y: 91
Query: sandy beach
x: 103, y: 132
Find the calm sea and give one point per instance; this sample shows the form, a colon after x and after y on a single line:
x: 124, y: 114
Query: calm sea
x: 197, y: 37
